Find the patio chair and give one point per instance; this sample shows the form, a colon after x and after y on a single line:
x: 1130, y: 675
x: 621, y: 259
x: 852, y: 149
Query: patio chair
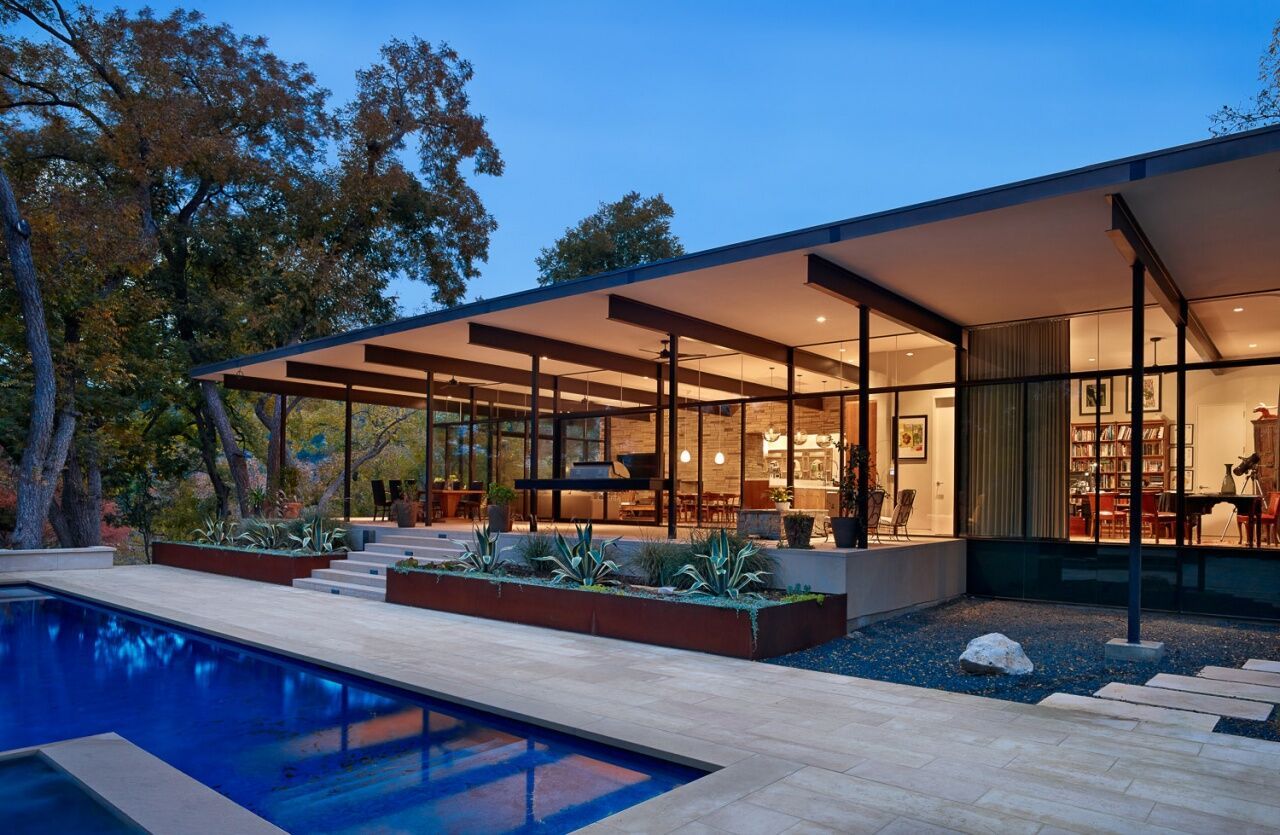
x: 397, y: 490
x: 381, y: 504
x: 897, y: 521
x: 469, y: 505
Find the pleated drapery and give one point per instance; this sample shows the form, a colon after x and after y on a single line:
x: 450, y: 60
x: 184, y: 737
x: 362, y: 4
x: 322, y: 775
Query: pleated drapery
x: 1015, y: 465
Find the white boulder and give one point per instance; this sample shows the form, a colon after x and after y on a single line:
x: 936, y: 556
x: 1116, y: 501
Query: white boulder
x: 995, y: 654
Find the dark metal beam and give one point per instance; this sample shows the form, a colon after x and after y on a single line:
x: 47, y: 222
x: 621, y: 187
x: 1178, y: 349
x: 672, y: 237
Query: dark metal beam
x: 1136, y: 247
x: 846, y: 285
x: 525, y: 343
x: 241, y: 382
x: 1138, y: 349
x: 642, y: 315
x: 673, y: 430
x: 400, y: 358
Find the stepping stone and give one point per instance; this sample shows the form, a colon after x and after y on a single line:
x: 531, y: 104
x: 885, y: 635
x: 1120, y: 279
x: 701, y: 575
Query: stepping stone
x: 1229, y: 689
x: 1179, y: 700
x: 1260, y: 664
x: 1242, y: 676
x: 1129, y: 710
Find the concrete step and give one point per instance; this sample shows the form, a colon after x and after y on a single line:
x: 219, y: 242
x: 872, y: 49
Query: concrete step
x: 399, y: 552
x: 424, y: 539
x: 1263, y: 665
x: 332, y: 587
x: 1180, y: 700
x: 1242, y: 676
x: 1128, y: 710
x: 337, y: 575
x: 362, y: 566
x: 1212, y: 687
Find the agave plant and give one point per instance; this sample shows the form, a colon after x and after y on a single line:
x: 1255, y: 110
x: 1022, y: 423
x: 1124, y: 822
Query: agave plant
x: 313, y: 536
x: 582, y: 563
x: 724, y: 572
x: 482, y: 555
x: 216, y: 531
x: 268, y: 536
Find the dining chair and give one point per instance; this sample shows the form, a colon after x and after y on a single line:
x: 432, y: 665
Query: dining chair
x: 381, y: 504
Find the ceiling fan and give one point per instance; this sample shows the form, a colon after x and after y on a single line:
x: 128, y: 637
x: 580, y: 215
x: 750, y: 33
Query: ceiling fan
x: 665, y: 353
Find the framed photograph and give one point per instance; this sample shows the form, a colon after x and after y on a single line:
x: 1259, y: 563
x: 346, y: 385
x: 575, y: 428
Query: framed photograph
x: 913, y: 437
x: 1190, y: 459
x: 1151, y: 394
x: 1186, y: 437
x: 1095, y: 399
x: 1188, y: 479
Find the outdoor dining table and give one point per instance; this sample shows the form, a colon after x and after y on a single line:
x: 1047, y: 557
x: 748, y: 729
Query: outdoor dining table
x: 449, y: 499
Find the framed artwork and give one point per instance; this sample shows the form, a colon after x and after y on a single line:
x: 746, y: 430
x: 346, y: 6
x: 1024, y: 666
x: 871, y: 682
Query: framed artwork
x: 1188, y: 480
x: 1186, y: 437
x: 913, y: 437
x: 1151, y: 394
x: 1095, y: 399
x: 1190, y: 459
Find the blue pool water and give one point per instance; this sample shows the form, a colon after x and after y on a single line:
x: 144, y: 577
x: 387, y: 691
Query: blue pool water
x: 35, y: 797
x: 307, y: 749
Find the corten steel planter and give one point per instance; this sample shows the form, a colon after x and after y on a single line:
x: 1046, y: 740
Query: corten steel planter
x: 263, y: 566
x: 669, y: 623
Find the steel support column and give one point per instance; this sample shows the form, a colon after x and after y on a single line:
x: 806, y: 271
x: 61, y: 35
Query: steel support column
x: 791, y: 422
x: 658, y: 446
x: 673, y: 427
x: 534, y: 406
x: 1180, y: 452
x: 864, y: 417
x: 428, y: 483
x: 346, y: 459
x: 1138, y: 361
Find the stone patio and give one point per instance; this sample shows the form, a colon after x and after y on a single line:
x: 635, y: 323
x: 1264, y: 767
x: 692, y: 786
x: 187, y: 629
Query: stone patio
x: 796, y: 750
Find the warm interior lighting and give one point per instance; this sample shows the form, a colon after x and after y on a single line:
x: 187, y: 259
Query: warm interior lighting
x: 911, y: 353
x: 1092, y: 359
x: 719, y: 459
x: 821, y: 319
x: 1237, y: 310
x: 1253, y: 345
x: 685, y: 457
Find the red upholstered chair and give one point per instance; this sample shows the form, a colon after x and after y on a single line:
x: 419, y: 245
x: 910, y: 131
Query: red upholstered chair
x: 1269, y: 512
x: 1102, y: 509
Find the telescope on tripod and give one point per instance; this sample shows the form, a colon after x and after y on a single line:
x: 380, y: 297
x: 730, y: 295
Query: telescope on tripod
x: 1248, y: 467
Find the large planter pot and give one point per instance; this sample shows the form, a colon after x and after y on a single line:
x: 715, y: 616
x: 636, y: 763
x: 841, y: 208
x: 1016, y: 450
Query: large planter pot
x: 406, y: 513
x: 499, y: 518
x: 782, y: 507
x: 264, y: 566
x: 291, y: 510
x: 670, y: 623
x: 798, y: 528
x: 847, y: 531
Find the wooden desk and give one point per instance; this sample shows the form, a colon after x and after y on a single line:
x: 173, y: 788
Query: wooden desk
x: 449, y: 499
x: 1246, y: 504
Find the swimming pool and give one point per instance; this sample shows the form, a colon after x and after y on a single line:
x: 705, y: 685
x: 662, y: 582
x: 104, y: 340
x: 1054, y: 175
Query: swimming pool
x: 308, y: 749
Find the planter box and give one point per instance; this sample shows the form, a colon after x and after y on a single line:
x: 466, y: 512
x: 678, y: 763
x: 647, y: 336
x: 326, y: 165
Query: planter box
x: 669, y: 623
x: 263, y: 566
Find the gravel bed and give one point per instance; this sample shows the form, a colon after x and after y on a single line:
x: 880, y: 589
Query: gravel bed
x: 1064, y: 642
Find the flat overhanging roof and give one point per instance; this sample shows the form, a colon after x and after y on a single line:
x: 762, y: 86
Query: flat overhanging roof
x: 1032, y: 249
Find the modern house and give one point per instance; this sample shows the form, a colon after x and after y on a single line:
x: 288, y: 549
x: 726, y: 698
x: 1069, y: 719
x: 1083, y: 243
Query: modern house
x: 1067, y: 372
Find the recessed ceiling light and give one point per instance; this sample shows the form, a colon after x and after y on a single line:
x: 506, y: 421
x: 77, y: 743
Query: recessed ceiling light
x: 821, y: 319
x: 842, y: 350
x: 1237, y: 310
x: 911, y: 353
x: 1253, y: 345
x: 1091, y: 359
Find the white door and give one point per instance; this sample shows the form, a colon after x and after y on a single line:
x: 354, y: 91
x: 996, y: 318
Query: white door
x: 1219, y: 440
x: 942, y: 449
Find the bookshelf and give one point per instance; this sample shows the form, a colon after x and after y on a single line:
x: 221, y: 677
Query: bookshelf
x: 1111, y: 447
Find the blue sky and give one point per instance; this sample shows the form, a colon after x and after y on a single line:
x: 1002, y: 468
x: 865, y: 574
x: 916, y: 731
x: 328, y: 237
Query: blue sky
x: 756, y: 118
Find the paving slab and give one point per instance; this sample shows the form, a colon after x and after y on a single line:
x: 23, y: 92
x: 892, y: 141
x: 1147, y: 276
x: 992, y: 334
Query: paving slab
x: 1182, y: 700
x: 1214, y: 687
x: 1129, y: 710
x: 1262, y: 664
x: 1244, y: 676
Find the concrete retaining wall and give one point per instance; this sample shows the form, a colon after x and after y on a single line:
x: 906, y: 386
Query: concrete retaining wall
x: 57, y: 559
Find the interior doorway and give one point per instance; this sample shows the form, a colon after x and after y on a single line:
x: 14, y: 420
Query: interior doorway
x: 942, y: 453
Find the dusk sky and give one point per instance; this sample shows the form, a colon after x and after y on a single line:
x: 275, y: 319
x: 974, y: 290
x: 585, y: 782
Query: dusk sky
x: 757, y: 118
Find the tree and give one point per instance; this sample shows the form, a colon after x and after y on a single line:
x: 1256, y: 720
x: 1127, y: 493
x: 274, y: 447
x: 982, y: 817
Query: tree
x: 271, y: 219
x: 1265, y: 108
x: 631, y: 231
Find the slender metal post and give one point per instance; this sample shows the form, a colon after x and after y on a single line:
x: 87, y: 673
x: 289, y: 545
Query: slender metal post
x: 471, y: 437
x: 791, y: 422
x: 428, y: 483
x: 1180, y: 453
x: 658, y: 446
x: 346, y: 460
x: 864, y: 416
x: 534, y: 406
x: 699, y: 454
x: 557, y: 445
x: 1138, y: 355
x: 495, y: 439
x: 282, y: 452
x: 673, y: 425
x: 742, y: 455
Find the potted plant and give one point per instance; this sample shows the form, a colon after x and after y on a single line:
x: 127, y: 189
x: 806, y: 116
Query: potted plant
x: 455, y: 483
x: 848, y: 527
x: 781, y: 498
x: 499, y: 500
x: 799, y: 528
x: 405, y: 511
x: 287, y: 504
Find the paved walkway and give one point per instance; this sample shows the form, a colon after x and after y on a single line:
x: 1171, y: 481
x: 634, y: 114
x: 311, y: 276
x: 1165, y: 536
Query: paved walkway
x: 797, y: 751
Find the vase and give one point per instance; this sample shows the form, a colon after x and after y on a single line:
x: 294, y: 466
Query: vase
x: 1228, y: 482
x: 782, y: 507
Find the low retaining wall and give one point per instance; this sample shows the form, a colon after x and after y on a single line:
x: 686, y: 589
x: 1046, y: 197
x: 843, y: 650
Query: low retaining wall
x: 721, y: 631
x: 263, y: 566
x: 57, y: 559
x: 879, y: 582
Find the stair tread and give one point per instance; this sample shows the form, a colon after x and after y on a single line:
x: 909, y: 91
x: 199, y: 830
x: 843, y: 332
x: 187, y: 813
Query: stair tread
x: 1215, y: 687
x: 1182, y: 700
x: 358, y: 578
x: 1130, y: 710
x: 1262, y: 664
x: 348, y: 589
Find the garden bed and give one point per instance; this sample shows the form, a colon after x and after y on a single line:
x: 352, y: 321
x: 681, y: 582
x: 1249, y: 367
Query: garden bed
x: 741, y: 628
x: 281, y: 567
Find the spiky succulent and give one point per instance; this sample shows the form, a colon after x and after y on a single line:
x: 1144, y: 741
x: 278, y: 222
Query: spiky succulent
x: 216, y: 531
x: 581, y: 562
x: 723, y: 571
x: 482, y: 555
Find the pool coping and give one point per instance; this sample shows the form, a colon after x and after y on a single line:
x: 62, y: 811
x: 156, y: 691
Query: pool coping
x: 732, y: 773
x: 143, y: 789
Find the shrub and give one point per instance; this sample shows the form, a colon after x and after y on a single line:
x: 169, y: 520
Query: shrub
x: 582, y: 563
x: 723, y: 571
x: 534, y: 550
x: 216, y: 531
x: 659, y: 561
x: 500, y: 495
x: 757, y: 562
